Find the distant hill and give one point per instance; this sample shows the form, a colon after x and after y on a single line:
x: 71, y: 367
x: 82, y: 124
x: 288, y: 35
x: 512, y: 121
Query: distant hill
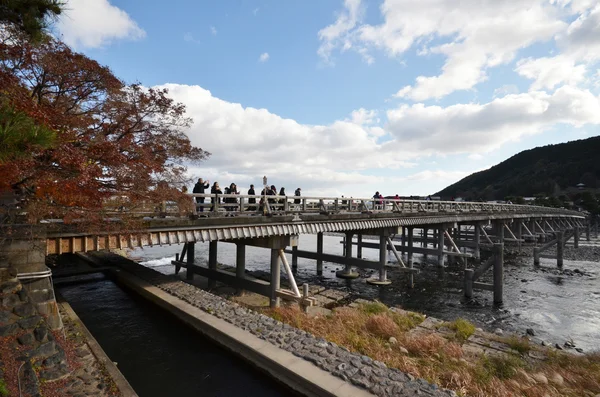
x: 544, y: 171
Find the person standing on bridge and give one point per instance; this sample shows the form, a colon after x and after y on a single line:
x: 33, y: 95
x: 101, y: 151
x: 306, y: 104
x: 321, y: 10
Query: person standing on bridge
x: 216, y: 190
x: 251, y: 192
x: 199, y: 188
x: 377, y: 202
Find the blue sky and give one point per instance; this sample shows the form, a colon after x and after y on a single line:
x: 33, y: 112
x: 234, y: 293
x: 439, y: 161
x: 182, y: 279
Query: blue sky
x: 349, y: 97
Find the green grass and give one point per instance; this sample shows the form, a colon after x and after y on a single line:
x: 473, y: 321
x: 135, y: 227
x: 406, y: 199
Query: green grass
x: 3, y: 388
x: 408, y: 321
x: 521, y: 345
x: 462, y: 328
x: 502, y: 367
x: 373, y: 308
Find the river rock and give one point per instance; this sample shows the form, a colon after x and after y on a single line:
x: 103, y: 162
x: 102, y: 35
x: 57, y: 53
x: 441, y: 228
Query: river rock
x: 498, y: 331
x: 393, y: 340
x: 530, y: 332
x: 403, y: 350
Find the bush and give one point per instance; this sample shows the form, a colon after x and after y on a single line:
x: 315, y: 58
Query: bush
x: 462, y: 328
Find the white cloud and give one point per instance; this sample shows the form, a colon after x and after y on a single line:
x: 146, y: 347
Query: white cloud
x: 189, y: 37
x: 255, y: 11
x: 264, y: 57
x: 506, y: 90
x: 550, y: 72
x: 475, y: 156
x: 94, y: 23
x: 476, y: 128
x: 349, y: 157
x: 335, y: 35
x: 471, y: 36
x: 213, y: 30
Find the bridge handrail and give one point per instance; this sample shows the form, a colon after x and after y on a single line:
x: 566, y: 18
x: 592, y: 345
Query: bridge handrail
x: 240, y: 203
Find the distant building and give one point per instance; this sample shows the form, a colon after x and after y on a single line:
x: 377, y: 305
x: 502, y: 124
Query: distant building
x: 528, y: 199
x: 580, y: 186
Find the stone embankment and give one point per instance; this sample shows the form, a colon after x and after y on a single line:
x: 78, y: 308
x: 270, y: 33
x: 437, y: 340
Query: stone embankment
x: 35, y: 361
x: 361, y: 371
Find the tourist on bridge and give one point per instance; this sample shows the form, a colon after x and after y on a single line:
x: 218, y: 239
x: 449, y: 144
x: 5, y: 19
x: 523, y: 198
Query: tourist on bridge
x: 282, y: 194
x: 215, y: 189
x: 232, y: 189
x: 199, y: 188
x: 297, y: 193
x: 251, y: 192
x: 377, y: 202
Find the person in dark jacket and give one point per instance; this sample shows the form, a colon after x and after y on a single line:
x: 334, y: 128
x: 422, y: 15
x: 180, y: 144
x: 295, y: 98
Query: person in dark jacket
x: 251, y: 192
x: 297, y: 193
x: 232, y: 200
x: 199, y: 187
x: 282, y: 194
x: 215, y: 189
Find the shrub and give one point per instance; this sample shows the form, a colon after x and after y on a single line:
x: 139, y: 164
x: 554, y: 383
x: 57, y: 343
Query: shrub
x: 462, y: 329
x: 519, y: 344
x: 373, y: 308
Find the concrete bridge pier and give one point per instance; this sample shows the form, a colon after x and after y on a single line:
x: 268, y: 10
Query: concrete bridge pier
x: 319, y: 253
x: 498, y: 273
x: 440, y: 245
x: 347, y: 273
x: 382, y: 279
x: 560, y: 246
x: 409, y: 260
x: 359, y: 246
x: 576, y: 236
x: 477, y: 241
x: 588, y: 229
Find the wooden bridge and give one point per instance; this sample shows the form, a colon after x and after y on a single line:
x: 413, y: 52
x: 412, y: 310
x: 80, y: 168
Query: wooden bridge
x: 445, y: 230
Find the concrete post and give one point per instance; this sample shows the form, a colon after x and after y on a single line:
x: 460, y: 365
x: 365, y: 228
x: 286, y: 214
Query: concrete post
x: 295, y: 258
x: 469, y: 282
x: 519, y: 234
x: 424, y: 242
x: 403, y: 239
x: 435, y: 238
x: 440, y: 245
x: 498, y: 273
x: 499, y: 226
x: 588, y: 230
x: 347, y: 272
x: 411, y: 278
x: 536, y: 256
x: 275, y: 277
x: 319, y: 252
x: 477, y: 240
x: 382, y: 279
x: 240, y: 260
x: 212, y: 261
x: 359, y: 246
x: 576, y: 237
x: 560, y: 236
x: 191, y: 257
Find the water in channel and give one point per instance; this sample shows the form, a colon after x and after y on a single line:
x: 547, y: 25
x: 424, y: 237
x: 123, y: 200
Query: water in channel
x: 557, y: 307
x: 159, y: 355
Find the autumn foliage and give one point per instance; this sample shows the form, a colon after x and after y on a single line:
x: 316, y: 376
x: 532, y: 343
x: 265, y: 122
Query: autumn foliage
x: 103, y: 141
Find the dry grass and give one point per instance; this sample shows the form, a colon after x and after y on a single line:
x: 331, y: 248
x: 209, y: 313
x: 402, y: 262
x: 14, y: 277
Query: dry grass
x: 368, y: 329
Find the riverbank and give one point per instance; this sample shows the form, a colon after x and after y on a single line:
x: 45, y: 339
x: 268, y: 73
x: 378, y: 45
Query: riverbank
x: 36, y: 361
x: 373, y: 376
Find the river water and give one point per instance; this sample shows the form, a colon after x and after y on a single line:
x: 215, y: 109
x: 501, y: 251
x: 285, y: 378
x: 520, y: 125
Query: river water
x: 558, y: 306
x: 159, y: 355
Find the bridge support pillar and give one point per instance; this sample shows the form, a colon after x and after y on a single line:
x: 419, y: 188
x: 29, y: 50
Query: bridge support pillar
x: 576, y: 237
x: 347, y: 272
x: 498, y: 272
x: 440, y: 245
x: 403, y: 239
x: 191, y: 257
x: 469, y: 282
x: 424, y: 241
x: 359, y: 246
x: 499, y: 228
x: 560, y: 246
x: 240, y: 260
x: 477, y: 241
x: 295, y: 258
x: 519, y: 232
x: 319, y: 252
x: 409, y: 260
x: 275, y: 277
x: 588, y: 229
x: 382, y: 279
x: 212, y: 261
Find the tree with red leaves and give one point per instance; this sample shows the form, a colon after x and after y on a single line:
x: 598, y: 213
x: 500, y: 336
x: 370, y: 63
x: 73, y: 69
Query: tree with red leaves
x: 111, y: 142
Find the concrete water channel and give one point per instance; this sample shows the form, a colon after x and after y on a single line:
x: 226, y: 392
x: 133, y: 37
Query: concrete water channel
x: 159, y: 355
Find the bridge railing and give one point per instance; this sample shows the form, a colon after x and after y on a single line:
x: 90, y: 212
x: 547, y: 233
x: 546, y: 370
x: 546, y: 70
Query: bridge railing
x: 236, y: 204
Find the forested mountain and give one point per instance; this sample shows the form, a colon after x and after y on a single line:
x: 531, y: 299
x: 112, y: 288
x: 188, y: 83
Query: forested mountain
x: 548, y: 171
